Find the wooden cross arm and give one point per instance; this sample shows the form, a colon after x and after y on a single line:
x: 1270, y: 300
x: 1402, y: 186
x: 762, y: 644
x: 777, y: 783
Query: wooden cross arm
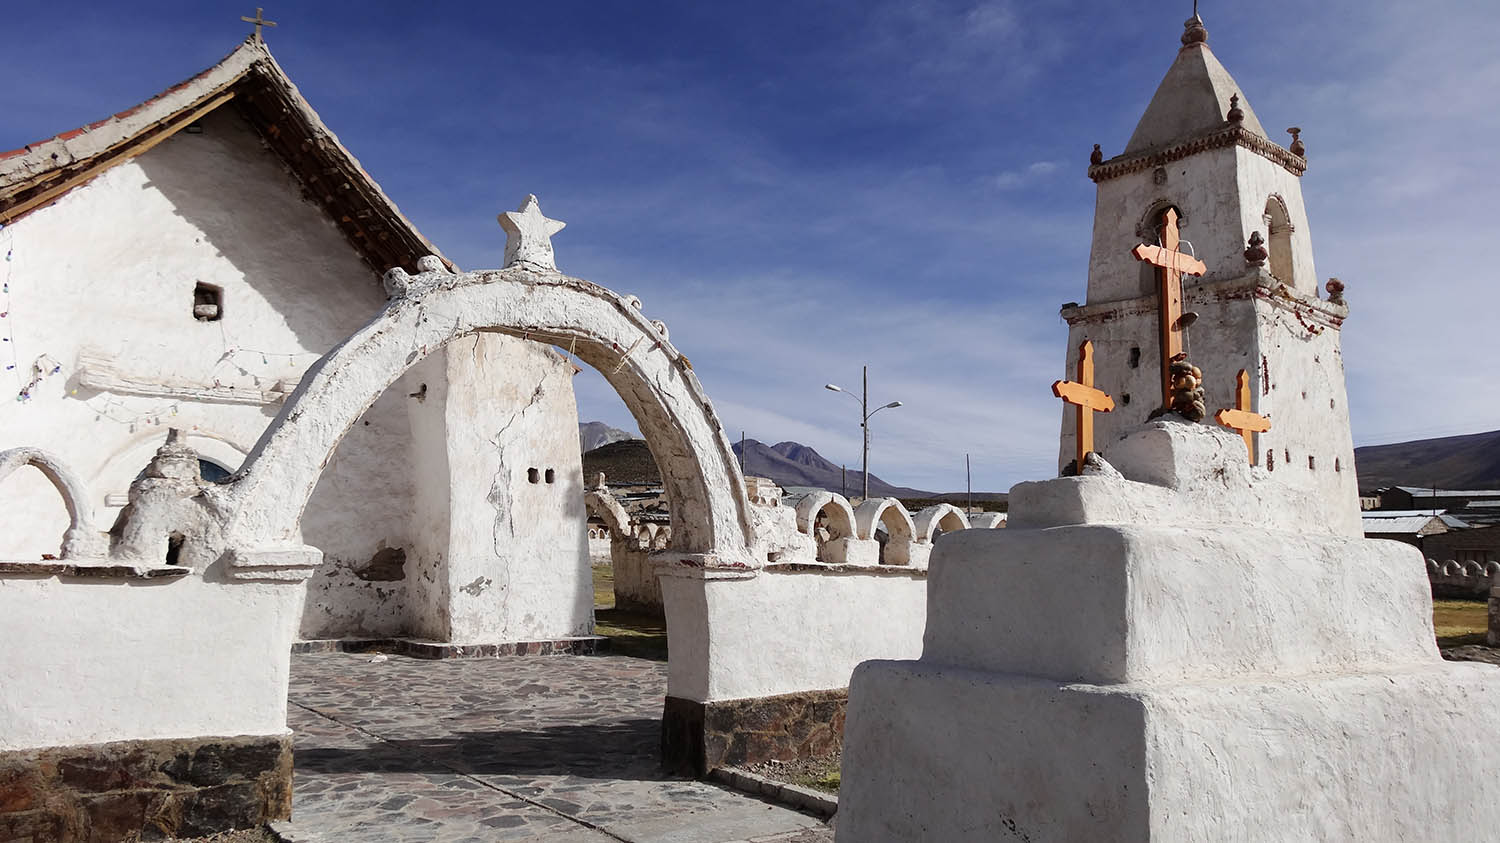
x: 1168, y: 259
x: 1083, y: 396
x: 1243, y: 420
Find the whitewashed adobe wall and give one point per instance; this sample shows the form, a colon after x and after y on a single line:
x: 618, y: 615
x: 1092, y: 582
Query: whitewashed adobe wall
x: 511, y: 556
x: 102, y: 281
x: 107, y: 274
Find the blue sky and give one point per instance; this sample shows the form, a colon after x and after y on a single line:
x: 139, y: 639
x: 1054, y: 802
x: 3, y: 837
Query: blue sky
x: 800, y: 188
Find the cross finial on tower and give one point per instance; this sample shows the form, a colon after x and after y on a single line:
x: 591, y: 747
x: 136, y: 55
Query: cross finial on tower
x: 259, y: 20
x: 528, y: 235
x: 1193, y: 31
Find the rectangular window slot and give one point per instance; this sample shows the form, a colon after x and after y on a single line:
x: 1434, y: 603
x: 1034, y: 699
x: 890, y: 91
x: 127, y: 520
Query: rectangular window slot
x: 208, y: 302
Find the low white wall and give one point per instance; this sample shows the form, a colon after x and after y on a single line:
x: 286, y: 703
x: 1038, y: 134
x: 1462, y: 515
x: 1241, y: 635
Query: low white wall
x: 95, y: 660
x: 780, y: 632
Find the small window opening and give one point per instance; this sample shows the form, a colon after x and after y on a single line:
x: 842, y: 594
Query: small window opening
x: 1286, y: 455
x: 1271, y: 460
x: 1135, y: 357
x: 1337, y: 466
x: 1312, y: 462
x: 551, y: 476
x: 208, y: 303
x: 174, y: 548
x: 1125, y: 398
x: 533, y: 476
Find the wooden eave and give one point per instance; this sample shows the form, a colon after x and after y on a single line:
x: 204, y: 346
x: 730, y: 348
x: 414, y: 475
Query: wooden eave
x: 250, y: 81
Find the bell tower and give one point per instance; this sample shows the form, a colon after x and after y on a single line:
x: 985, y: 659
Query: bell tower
x: 1201, y: 155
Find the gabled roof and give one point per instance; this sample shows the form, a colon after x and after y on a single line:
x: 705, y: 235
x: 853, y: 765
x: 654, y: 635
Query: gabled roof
x: 1397, y: 526
x: 1192, y: 99
x: 250, y: 81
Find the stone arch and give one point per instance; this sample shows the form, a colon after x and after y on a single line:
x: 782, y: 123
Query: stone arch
x: 943, y: 517
x: 987, y: 520
x: 1279, y: 230
x: 602, y: 505
x: 700, y: 474
x: 835, y: 509
x: 898, y: 526
x: 661, y: 538
x: 82, y: 540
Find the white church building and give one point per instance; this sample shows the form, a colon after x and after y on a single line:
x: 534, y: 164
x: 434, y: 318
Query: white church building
x: 181, y: 264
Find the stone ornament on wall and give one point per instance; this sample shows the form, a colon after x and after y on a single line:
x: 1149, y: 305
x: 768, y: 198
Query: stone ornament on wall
x: 528, y: 235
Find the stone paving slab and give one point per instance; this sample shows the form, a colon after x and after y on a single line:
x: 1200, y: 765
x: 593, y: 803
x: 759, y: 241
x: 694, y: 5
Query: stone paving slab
x: 558, y: 749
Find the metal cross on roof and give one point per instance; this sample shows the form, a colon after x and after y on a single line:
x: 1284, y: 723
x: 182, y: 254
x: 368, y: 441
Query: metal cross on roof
x: 259, y: 20
x: 1086, y: 398
x: 1242, y: 419
x: 1171, y: 264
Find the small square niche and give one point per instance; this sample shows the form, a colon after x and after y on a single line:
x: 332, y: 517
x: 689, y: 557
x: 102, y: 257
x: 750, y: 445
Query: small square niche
x: 208, y: 302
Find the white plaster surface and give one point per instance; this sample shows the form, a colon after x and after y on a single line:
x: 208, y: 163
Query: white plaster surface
x: 142, y: 659
x: 1147, y: 603
x: 935, y: 752
x: 740, y: 636
x: 517, y: 558
x: 107, y: 273
x: 1172, y: 472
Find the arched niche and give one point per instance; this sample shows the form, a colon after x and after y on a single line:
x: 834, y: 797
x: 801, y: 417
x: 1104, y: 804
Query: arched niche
x: 1149, y: 229
x: 899, y: 528
x: 82, y: 540
x: 938, y: 519
x: 1279, y: 231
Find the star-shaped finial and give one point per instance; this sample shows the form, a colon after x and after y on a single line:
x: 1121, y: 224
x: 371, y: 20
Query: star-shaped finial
x: 528, y: 235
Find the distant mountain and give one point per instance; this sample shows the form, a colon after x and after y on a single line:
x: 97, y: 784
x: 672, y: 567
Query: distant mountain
x: 1452, y: 462
x: 795, y: 464
x: 787, y: 463
x: 593, y: 434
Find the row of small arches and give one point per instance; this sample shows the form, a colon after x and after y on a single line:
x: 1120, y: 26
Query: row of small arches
x: 829, y: 517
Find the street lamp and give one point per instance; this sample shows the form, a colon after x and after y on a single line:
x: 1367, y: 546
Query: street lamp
x: 864, y: 422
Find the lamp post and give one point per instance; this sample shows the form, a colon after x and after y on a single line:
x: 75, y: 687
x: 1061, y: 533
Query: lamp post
x: 864, y: 422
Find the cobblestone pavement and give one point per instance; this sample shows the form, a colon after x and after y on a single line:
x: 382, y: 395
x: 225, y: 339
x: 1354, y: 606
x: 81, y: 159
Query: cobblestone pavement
x: 560, y: 748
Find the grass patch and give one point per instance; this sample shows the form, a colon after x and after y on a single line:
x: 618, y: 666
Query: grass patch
x: 1460, y: 621
x: 828, y: 783
x: 604, y: 587
x: 816, y: 773
x: 630, y: 633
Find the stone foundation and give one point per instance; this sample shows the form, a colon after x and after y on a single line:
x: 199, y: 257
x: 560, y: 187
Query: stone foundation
x: 586, y: 645
x: 697, y: 737
x: 144, y: 789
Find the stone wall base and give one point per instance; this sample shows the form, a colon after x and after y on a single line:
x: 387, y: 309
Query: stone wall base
x: 586, y: 645
x: 697, y: 737
x: 149, y: 789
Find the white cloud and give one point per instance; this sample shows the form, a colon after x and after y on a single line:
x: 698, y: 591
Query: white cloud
x: 1012, y: 179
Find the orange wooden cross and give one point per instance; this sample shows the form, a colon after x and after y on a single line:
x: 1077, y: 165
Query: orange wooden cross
x: 1241, y: 419
x: 1086, y: 398
x: 1170, y: 265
